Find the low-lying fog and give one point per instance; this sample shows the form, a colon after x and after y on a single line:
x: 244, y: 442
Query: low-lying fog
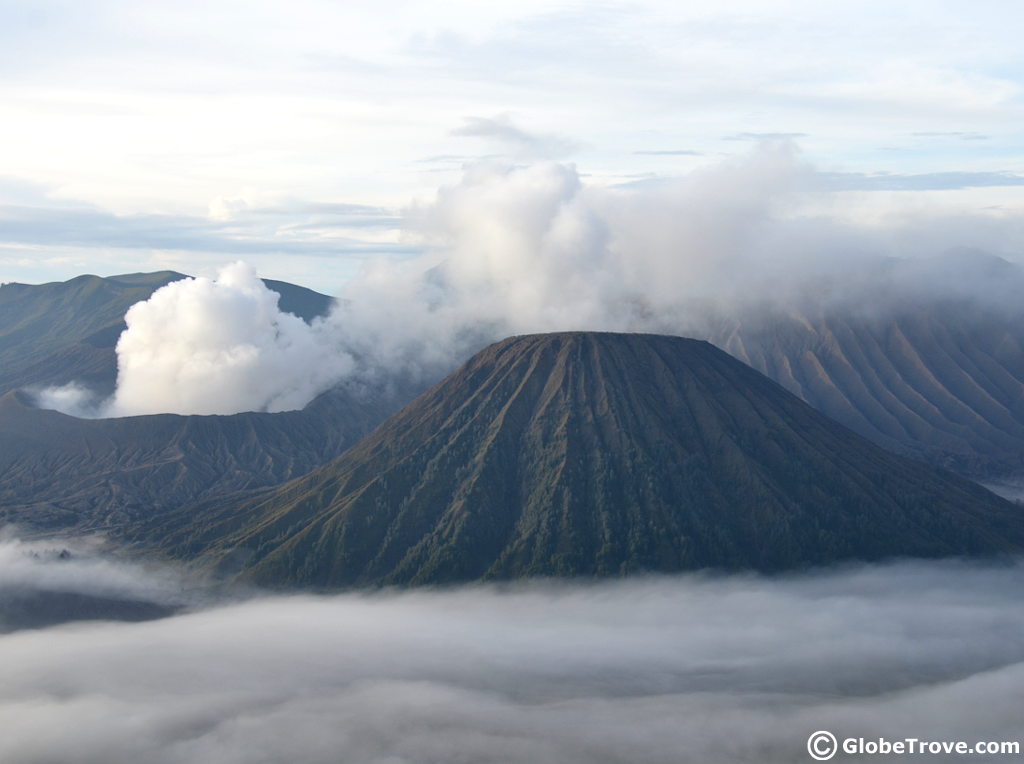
x: 666, y: 669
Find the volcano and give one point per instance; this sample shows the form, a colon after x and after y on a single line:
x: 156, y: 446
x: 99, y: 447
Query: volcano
x: 595, y: 454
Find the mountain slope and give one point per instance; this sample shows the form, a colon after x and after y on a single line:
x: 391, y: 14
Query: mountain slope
x: 593, y: 454
x: 918, y: 371
x: 942, y: 384
x: 72, y: 476
x: 60, y: 474
x: 905, y: 361
x: 52, y: 334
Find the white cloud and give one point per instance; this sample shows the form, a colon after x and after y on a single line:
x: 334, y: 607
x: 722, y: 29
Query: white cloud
x: 143, y: 108
x: 520, y: 143
x: 514, y: 250
x: 78, y: 566
x: 73, y: 398
x: 520, y: 249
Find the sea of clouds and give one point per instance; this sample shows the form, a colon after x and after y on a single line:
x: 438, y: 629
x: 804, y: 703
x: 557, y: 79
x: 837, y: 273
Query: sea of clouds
x: 688, y: 668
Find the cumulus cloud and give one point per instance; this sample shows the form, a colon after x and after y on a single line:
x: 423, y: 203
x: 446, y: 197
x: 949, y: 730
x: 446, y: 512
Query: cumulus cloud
x: 679, y: 669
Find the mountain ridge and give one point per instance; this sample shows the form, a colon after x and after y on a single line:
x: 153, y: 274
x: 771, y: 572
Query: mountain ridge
x: 62, y: 474
x: 945, y: 384
x: 593, y: 454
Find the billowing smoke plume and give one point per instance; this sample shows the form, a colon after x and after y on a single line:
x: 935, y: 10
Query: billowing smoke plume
x: 512, y: 250
x: 214, y: 346
x: 680, y: 669
x: 72, y: 398
x: 217, y: 346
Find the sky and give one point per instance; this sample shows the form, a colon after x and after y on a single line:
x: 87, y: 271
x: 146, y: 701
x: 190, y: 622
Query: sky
x: 304, y: 137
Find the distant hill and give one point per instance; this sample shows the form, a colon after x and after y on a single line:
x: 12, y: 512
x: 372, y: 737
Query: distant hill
x: 52, y: 334
x: 582, y: 454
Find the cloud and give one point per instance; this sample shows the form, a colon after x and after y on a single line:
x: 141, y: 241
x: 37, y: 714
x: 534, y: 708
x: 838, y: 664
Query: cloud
x: 328, y: 213
x: 764, y: 136
x: 518, y: 249
x: 446, y: 159
x: 218, y: 346
x: 54, y: 581
x: 670, y: 153
x: 73, y: 398
x: 521, y: 144
x: 234, y: 226
x: 77, y: 565
x: 146, y: 126
x: 931, y: 181
x: 512, y: 250
x: 966, y: 136
x: 679, y: 669
x: 212, y: 346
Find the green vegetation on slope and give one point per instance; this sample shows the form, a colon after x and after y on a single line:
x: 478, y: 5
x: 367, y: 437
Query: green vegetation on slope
x: 593, y: 454
x: 63, y: 475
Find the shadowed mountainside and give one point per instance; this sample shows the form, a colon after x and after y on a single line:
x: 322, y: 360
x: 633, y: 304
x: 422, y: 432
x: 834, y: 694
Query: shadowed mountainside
x: 592, y: 454
x: 944, y: 384
x: 63, y: 474
x: 924, y: 357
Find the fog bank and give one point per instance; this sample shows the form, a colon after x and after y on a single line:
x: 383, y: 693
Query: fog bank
x: 690, y: 669
x: 55, y: 581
